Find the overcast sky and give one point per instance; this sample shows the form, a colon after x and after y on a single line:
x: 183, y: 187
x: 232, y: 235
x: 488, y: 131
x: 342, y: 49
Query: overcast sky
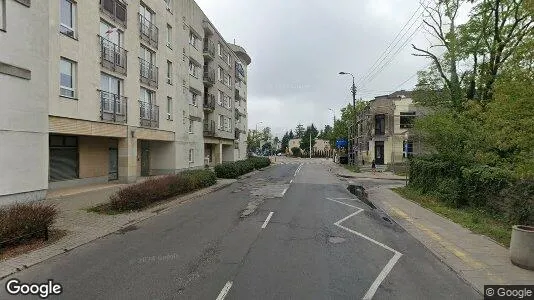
x: 298, y: 47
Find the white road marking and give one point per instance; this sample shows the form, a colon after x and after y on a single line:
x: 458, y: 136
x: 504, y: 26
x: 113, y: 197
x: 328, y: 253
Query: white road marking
x: 291, y: 181
x: 391, y: 263
x: 284, y: 192
x: 267, y: 220
x: 298, y: 170
x: 225, y: 290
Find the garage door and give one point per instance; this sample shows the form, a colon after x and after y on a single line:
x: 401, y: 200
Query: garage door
x: 63, y: 157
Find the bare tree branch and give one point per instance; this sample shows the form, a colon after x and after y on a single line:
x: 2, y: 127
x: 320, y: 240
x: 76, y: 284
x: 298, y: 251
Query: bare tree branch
x: 436, y: 61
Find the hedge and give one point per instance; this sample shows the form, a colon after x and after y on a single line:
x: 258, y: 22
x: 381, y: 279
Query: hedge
x: 140, y: 195
x: 479, y: 186
x: 241, y: 167
x: 23, y: 222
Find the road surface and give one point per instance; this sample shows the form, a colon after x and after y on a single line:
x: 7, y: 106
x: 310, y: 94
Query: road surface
x: 291, y: 231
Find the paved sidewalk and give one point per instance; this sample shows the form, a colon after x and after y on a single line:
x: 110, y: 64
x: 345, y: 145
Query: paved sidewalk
x: 342, y: 172
x: 83, y: 227
x: 476, y: 258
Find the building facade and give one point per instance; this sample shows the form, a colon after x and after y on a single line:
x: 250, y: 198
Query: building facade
x: 320, y: 146
x: 384, y: 129
x: 114, y: 90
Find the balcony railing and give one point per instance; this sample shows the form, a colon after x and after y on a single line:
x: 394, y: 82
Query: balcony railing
x: 209, y: 128
x: 209, y: 102
x: 148, y: 114
x: 148, y: 31
x: 209, y: 48
x: 209, y: 75
x: 113, y: 107
x: 115, y: 9
x: 148, y: 73
x: 112, y: 56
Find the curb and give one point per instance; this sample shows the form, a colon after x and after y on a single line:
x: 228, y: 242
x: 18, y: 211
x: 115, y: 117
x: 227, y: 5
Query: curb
x: 179, y: 200
x: 368, y: 177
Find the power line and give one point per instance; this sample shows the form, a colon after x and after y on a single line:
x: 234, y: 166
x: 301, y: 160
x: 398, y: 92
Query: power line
x: 388, y: 49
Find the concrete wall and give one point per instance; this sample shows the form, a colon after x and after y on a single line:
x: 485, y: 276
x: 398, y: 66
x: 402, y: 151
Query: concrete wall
x: 228, y: 153
x: 24, y: 113
x: 162, y: 158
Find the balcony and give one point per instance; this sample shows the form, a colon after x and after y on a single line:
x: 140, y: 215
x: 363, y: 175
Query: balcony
x: 115, y: 9
x: 113, y: 107
x: 112, y: 56
x: 209, y: 102
x: 148, y: 73
x: 237, y: 97
x: 148, y: 31
x: 209, y: 76
x: 237, y: 132
x: 148, y: 114
x: 209, y: 128
x: 209, y: 49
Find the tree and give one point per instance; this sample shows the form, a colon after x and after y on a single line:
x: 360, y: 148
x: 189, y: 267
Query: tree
x: 253, y: 141
x: 285, y: 142
x: 266, y: 134
x: 299, y: 131
x: 339, y: 131
x: 312, y: 132
x: 291, y: 135
x: 295, y: 151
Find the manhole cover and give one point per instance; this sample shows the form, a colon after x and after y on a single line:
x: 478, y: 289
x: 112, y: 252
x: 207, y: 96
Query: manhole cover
x: 336, y: 239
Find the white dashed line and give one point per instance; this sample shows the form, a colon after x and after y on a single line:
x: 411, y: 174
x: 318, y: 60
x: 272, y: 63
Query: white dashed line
x: 224, y: 291
x: 391, y: 263
x: 267, y: 220
x: 284, y: 192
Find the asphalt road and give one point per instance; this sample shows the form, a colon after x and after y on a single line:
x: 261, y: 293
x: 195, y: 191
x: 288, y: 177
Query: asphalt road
x: 319, y: 243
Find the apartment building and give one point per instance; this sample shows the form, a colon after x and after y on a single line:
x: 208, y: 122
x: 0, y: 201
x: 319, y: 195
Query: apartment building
x: 384, y: 129
x: 319, y: 146
x: 114, y: 90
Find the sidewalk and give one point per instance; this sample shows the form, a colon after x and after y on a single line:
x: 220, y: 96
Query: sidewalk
x: 83, y: 227
x: 476, y: 258
x: 342, y: 172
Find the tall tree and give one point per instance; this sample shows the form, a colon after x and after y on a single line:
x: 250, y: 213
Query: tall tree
x: 299, y: 131
x: 285, y: 142
x: 311, y: 132
x: 266, y: 134
x: 291, y: 135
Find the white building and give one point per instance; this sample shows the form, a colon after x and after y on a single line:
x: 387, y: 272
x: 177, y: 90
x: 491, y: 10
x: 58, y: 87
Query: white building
x: 114, y: 90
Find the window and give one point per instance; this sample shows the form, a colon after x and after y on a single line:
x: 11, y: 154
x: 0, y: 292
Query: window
x: 221, y: 122
x: 380, y: 124
x: 169, y: 72
x: 220, y: 98
x: 67, y: 78
x: 2, y: 14
x: 407, y: 119
x: 169, y: 36
x: 111, y: 33
x: 111, y: 88
x: 220, y: 73
x: 228, y: 58
x: 227, y: 80
x: 168, y: 4
x: 63, y: 157
x: 193, y: 97
x: 169, y: 108
x: 68, y: 17
x: 146, y: 13
x: 193, y: 68
x: 193, y: 40
x: 219, y: 49
x: 407, y: 149
x: 227, y: 124
x: 190, y: 126
x: 227, y: 101
x: 146, y: 95
x: 191, y: 155
x: 183, y: 116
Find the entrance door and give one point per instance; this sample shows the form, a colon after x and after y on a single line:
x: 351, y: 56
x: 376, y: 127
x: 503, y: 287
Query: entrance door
x: 113, y: 172
x: 145, y: 159
x: 379, y: 153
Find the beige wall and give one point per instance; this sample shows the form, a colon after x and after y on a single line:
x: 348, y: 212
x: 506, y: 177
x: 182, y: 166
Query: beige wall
x: 94, y: 156
x: 24, y: 113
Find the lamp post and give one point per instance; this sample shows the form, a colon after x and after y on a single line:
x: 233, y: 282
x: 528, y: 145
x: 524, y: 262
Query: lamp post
x: 353, y: 90
x: 256, y: 132
x: 406, y: 136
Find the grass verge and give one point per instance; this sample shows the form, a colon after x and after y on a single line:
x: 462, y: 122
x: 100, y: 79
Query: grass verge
x: 476, y: 220
x: 354, y: 169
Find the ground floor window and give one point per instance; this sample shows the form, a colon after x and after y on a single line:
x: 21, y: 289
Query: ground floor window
x: 407, y: 149
x: 191, y: 155
x: 63, y: 158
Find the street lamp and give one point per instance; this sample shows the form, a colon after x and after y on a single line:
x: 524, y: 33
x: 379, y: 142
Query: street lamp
x: 256, y: 132
x: 353, y: 90
x: 406, y: 136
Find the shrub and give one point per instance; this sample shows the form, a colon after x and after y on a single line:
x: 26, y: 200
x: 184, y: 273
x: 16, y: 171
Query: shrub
x: 22, y: 222
x: 427, y: 173
x: 296, y: 151
x: 519, y: 203
x: 483, y: 182
x: 142, y: 194
x: 238, y: 168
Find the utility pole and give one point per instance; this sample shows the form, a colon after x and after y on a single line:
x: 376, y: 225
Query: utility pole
x: 310, y: 144
x: 353, y: 90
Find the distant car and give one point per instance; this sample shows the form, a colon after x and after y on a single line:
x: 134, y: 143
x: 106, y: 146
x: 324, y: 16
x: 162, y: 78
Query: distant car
x: 279, y: 154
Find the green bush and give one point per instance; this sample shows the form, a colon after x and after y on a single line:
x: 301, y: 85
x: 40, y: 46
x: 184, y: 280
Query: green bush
x: 519, y: 203
x: 238, y: 168
x: 137, y: 196
x: 483, y: 182
x: 23, y: 222
x: 427, y: 173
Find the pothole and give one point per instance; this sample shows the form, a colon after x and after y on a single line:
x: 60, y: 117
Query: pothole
x: 336, y: 239
x: 362, y: 195
x: 386, y: 219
